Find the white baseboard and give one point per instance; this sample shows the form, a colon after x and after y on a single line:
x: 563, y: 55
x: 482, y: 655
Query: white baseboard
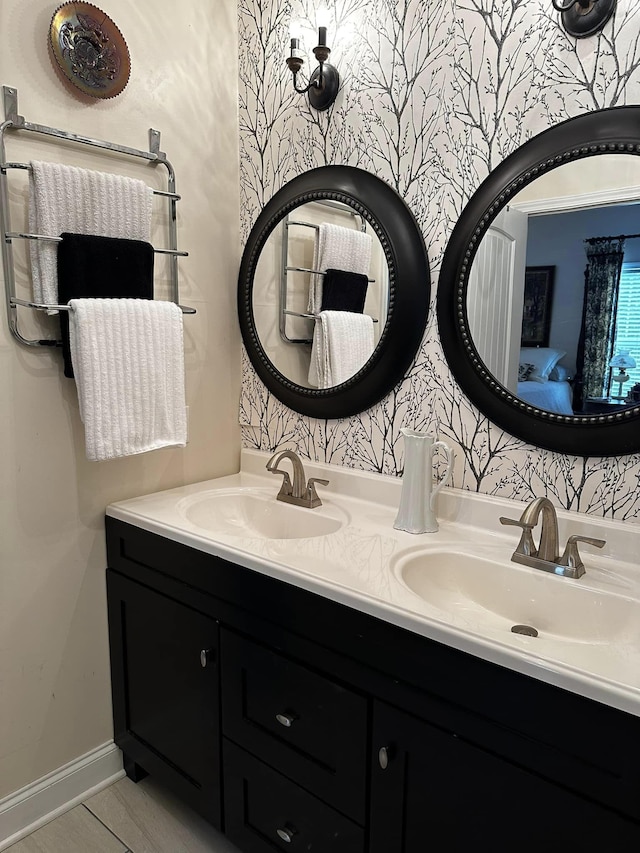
x: 52, y: 795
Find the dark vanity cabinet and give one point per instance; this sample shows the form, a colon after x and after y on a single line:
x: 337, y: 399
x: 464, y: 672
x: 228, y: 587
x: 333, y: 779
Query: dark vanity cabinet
x: 295, y: 723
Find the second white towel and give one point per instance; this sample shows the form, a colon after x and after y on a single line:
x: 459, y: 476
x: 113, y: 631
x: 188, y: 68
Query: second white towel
x: 68, y: 199
x: 128, y: 362
x: 340, y: 249
x: 342, y: 344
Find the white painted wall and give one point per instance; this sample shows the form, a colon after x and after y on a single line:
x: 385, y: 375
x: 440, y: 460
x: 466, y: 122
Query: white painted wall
x: 54, y: 680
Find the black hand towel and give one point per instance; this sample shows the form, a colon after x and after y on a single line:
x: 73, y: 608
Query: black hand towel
x: 344, y: 291
x: 90, y: 266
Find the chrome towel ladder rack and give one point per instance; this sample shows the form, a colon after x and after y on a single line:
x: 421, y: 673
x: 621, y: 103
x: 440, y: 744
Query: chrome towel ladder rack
x: 286, y: 268
x: 15, y: 122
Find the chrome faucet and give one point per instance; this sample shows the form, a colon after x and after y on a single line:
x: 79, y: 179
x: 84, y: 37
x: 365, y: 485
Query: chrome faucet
x: 301, y: 492
x: 546, y: 556
x: 548, y: 548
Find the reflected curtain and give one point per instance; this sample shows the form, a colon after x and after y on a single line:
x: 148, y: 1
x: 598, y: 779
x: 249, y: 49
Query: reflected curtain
x: 602, y: 280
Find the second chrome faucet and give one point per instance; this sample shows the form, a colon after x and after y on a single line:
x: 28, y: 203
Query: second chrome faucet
x: 546, y: 556
x: 301, y: 492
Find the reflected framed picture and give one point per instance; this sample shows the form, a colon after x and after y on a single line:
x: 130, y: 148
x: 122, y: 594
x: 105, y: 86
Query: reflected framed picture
x: 538, y: 301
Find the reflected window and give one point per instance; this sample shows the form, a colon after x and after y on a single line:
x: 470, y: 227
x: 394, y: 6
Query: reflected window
x: 626, y: 325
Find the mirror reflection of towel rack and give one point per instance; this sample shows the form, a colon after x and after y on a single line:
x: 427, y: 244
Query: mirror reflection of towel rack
x: 308, y: 316
x: 15, y: 122
x: 284, y: 310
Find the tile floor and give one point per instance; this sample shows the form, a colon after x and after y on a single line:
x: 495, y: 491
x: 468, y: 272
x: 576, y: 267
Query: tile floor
x: 127, y: 818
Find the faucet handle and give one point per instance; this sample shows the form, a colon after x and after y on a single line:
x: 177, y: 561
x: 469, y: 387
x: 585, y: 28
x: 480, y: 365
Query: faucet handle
x: 526, y: 545
x: 286, y: 488
x: 312, y: 495
x: 571, y: 556
x: 515, y: 522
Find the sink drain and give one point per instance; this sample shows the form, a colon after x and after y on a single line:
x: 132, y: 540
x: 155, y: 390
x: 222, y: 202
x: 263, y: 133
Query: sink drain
x: 527, y: 630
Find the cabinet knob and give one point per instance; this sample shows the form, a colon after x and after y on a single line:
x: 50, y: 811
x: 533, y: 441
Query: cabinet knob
x: 286, y: 833
x: 286, y: 720
x: 383, y: 757
x: 206, y: 657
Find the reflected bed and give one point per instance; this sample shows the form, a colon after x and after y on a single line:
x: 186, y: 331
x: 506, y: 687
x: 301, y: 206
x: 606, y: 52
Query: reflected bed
x: 550, y: 396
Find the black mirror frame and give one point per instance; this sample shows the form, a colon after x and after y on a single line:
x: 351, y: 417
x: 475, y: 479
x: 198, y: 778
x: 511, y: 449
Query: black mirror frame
x: 409, y: 289
x: 614, y: 131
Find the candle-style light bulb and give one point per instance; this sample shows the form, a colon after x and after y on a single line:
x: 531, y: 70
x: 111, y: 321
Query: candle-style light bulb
x: 322, y: 36
x: 295, y: 60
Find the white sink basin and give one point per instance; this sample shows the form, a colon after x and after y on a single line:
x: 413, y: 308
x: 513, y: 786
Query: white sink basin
x: 503, y: 595
x: 255, y: 513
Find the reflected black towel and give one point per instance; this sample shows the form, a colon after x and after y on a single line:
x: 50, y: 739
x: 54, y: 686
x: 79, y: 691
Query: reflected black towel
x: 101, y: 267
x: 344, y: 291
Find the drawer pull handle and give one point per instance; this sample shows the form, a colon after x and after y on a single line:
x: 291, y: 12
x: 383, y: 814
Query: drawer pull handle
x: 206, y: 656
x: 383, y: 757
x: 286, y: 834
x: 286, y: 720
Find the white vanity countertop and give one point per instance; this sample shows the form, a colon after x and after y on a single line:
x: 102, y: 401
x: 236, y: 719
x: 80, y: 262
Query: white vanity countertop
x: 358, y: 566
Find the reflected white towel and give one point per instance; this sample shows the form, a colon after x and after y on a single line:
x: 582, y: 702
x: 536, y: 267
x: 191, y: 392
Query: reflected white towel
x: 128, y: 361
x: 342, y: 344
x: 67, y: 199
x: 337, y: 248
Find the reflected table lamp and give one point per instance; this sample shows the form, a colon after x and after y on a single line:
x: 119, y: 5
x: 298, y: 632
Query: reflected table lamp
x: 622, y: 362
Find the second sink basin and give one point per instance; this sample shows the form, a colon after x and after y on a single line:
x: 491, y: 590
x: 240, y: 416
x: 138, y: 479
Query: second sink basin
x: 504, y: 595
x: 255, y: 513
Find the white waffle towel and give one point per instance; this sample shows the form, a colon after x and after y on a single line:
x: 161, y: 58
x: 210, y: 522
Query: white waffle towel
x: 128, y: 361
x: 68, y: 199
x: 337, y: 248
x: 342, y: 344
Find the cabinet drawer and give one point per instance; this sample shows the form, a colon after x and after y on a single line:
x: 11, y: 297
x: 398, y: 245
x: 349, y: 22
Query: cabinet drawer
x: 264, y: 811
x: 310, y: 728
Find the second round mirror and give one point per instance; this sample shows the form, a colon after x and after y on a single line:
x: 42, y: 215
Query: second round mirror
x: 566, y: 312
x: 543, y: 320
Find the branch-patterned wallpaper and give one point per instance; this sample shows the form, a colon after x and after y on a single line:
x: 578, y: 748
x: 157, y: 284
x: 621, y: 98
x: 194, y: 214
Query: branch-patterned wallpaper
x: 433, y: 96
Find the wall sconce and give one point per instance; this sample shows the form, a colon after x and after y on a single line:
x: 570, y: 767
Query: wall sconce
x: 582, y: 18
x: 325, y: 80
x: 623, y: 361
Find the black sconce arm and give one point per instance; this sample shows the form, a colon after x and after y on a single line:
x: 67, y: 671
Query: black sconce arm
x: 295, y: 64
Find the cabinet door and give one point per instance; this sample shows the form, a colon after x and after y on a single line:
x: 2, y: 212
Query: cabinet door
x: 165, y: 681
x: 440, y: 792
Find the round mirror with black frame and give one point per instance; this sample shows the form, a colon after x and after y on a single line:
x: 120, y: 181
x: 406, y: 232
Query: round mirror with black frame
x: 607, y: 427
x: 401, y: 312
